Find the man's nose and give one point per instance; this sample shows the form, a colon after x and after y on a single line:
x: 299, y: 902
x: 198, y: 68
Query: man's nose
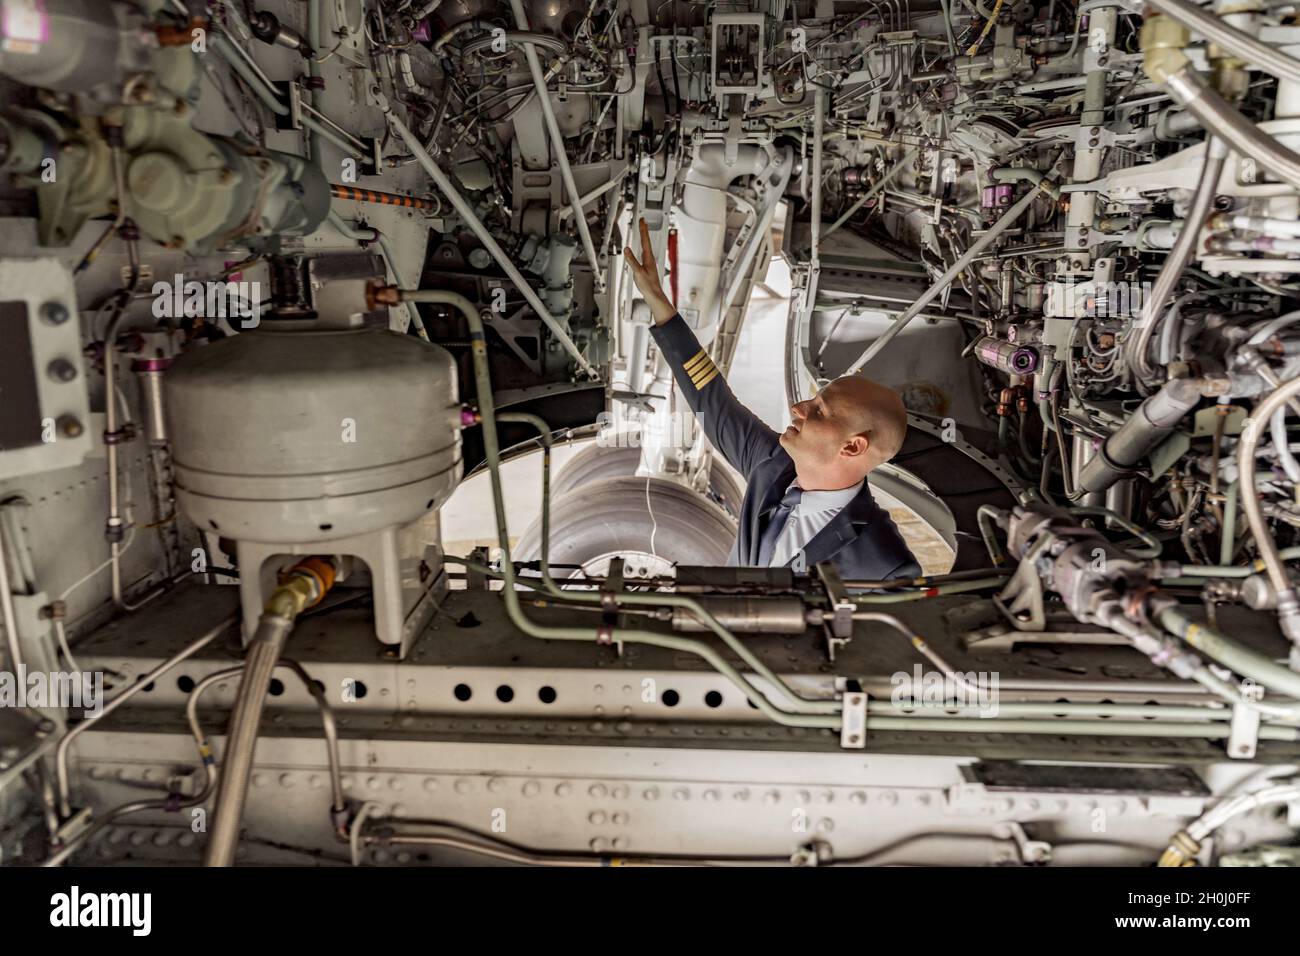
x: 797, y: 410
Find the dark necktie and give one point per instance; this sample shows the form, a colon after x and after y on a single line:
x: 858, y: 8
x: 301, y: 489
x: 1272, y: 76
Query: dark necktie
x: 775, y: 524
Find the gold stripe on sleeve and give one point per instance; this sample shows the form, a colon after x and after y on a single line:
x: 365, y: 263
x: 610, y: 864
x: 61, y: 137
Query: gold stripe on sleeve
x: 695, y: 362
x: 707, y: 377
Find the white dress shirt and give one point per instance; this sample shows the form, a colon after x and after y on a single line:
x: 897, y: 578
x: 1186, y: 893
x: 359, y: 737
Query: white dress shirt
x: 813, y: 512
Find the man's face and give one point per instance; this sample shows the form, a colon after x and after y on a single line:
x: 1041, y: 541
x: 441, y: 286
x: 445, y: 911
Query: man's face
x: 817, y: 432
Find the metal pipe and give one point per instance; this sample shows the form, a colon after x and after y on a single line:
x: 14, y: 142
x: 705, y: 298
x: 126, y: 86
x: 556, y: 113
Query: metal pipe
x: 173, y: 803
x: 1214, y: 730
x: 308, y: 582
x: 675, y: 602
x: 510, y: 594
x: 476, y: 225
x: 975, y: 248
x: 61, y: 751
x: 1214, y: 29
x: 328, y: 724
x: 1219, y: 116
x: 557, y: 139
x: 880, y: 184
x: 234, y: 55
x: 7, y: 602
x: 814, y: 258
x: 1142, y: 431
x: 1287, y: 602
x: 1213, y: 643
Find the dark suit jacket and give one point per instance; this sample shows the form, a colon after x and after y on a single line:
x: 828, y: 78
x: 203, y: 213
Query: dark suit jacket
x: 862, y: 540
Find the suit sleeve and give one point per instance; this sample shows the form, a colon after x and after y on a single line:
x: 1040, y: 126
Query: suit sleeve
x: 736, y: 432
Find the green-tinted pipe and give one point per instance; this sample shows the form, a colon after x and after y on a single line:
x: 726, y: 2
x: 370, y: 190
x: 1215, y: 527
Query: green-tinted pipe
x: 1229, y: 653
x: 1232, y: 570
x: 1229, y: 544
x: 269, y: 97
x: 1100, y: 728
x: 510, y: 594
x: 957, y: 587
x: 738, y: 647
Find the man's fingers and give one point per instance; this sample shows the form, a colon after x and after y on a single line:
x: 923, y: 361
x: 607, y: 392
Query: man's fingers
x: 647, y: 250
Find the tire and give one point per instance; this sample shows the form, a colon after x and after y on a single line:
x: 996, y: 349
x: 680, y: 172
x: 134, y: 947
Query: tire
x: 598, y: 463
x: 610, y: 517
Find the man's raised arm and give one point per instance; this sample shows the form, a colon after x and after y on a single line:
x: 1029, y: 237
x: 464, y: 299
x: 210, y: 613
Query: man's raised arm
x: 735, y: 431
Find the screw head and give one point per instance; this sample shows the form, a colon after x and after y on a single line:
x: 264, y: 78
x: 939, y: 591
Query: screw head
x: 69, y: 426
x: 55, y: 313
x: 61, y: 370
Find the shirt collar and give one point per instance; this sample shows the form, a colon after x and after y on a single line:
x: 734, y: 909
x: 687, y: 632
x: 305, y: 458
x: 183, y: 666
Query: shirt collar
x: 813, y: 501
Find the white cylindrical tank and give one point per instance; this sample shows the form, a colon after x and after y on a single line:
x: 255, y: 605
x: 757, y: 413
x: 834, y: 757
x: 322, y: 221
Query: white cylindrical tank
x: 311, y: 435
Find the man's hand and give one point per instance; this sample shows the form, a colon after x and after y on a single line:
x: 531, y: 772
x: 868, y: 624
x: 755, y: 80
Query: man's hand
x: 645, y: 273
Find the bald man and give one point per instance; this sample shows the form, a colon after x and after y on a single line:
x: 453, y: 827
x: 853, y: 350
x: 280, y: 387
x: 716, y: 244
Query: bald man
x: 807, y: 498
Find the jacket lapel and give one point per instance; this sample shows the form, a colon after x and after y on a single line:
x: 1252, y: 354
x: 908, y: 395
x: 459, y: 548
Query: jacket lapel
x: 843, y: 529
x: 773, y: 492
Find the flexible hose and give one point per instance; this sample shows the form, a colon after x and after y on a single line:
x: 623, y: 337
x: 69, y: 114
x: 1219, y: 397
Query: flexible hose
x: 1287, y: 603
x: 1216, y: 151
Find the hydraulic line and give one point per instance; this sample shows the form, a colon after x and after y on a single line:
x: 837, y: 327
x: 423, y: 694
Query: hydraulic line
x: 878, y: 185
x: 1228, y: 652
x: 61, y: 751
x: 1186, y: 843
x: 1216, y: 151
x: 173, y: 803
x: 1008, y: 219
x: 557, y: 140
x: 692, y: 606
x: 1163, y: 60
x: 1214, y: 29
x: 489, y: 242
x: 1288, y: 606
x: 1220, y: 116
x: 509, y: 592
x: 306, y: 583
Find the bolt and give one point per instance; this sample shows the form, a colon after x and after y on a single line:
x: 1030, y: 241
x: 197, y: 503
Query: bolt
x: 61, y: 370
x: 69, y: 426
x: 55, y: 313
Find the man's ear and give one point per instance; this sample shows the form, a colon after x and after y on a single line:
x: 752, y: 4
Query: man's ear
x: 855, y: 447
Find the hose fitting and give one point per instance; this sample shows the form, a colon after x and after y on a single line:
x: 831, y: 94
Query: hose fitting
x: 1163, y: 39
x: 302, y: 586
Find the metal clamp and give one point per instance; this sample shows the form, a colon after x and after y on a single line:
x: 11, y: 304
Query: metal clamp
x: 853, y: 726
